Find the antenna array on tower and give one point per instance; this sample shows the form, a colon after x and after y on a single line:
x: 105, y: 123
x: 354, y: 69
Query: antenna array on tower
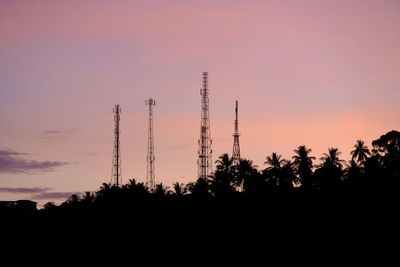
x: 150, y: 178
x: 204, y: 161
x: 205, y: 152
x: 116, y: 176
x: 236, y: 146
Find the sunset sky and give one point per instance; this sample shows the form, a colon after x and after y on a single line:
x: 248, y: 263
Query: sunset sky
x: 318, y: 73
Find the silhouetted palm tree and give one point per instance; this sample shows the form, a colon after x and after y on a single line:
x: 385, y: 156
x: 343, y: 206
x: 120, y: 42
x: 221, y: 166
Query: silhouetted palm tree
x: 246, y: 174
x: 329, y: 174
x: 160, y: 190
x: 352, y: 166
x: 274, y: 161
x: 131, y: 183
x: 353, y: 175
x: 332, y: 157
x: 303, y: 164
x: 179, y: 189
x: 73, y: 199
x: 199, y: 189
x: 222, y: 182
x: 224, y: 163
x: 287, y: 178
x: 360, y: 152
x: 273, y: 173
x: 105, y: 189
x: 88, y: 197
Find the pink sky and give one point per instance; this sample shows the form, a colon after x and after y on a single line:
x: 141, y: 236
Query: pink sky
x: 319, y: 73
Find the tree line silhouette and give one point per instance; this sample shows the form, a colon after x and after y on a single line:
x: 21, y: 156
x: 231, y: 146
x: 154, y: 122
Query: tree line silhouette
x: 370, y: 173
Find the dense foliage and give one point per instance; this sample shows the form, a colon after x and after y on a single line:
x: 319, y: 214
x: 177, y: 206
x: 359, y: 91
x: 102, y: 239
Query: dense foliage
x: 370, y: 173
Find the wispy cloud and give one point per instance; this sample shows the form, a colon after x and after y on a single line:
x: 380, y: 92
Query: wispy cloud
x: 10, y: 152
x: 37, y: 193
x: 12, y: 162
x: 30, y: 190
x: 52, y: 195
x: 53, y: 134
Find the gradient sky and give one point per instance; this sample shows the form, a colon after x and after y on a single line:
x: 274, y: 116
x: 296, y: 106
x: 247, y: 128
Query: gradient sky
x: 319, y: 73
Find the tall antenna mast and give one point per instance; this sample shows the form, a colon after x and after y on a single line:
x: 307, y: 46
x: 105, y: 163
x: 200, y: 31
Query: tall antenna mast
x: 116, y: 175
x: 236, y: 146
x: 150, y: 180
x: 205, y: 152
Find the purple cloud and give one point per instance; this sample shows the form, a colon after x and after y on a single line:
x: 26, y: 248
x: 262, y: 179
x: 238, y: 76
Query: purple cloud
x: 52, y: 134
x: 9, y: 152
x: 56, y: 134
x: 30, y: 190
x: 12, y: 162
x: 53, y: 195
x: 37, y: 193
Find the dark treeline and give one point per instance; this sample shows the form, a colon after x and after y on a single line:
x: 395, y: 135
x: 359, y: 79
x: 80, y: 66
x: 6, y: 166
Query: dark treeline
x: 290, y: 205
x: 282, y: 190
x: 371, y: 175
